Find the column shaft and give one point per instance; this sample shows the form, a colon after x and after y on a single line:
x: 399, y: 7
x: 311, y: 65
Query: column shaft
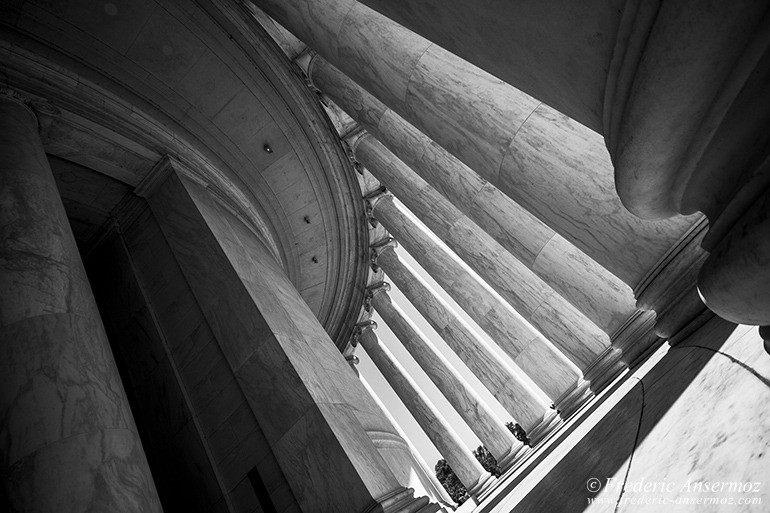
x: 569, y: 330
x: 559, y: 61
x: 596, y: 292
x: 67, y: 439
x: 516, y: 397
x: 491, y: 431
x: 311, y: 407
x: 468, y: 470
x: 426, y: 474
x: 553, y: 166
x: 542, y: 362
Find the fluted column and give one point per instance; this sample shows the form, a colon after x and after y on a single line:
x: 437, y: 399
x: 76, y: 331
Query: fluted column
x: 516, y: 397
x: 560, y: 322
x: 542, y: 362
x: 460, y: 458
x: 553, y: 166
x: 67, y: 436
x: 592, y: 289
x: 491, y: 431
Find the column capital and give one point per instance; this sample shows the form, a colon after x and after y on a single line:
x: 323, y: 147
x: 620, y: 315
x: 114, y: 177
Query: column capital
x: 13, y: 95
x: 372, y: 290
x: 371, y: 199
x: 376, y: 249
x: 354, y: 137
x: 359, y: 329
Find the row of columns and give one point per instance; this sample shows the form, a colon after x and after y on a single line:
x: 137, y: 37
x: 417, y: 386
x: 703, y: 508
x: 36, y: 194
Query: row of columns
x: 470, y: 472
x: 559, y: 379
x: 508, y: 388
x: 548, y: 312
x: 521, y: 194
x: 68, y: 438
x: 685, y: 130
x: 472, y: 409
x: 551, y: 165
x: 589, y: 287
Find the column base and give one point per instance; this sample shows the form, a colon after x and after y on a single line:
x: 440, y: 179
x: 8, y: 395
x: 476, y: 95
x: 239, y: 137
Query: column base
x: 512, y: 457
x: 571, y: 400
x: 604, y: 369
x: 637, y: 338
x: 483, y: 487
x: 546, y: 426
x: 403, y: 501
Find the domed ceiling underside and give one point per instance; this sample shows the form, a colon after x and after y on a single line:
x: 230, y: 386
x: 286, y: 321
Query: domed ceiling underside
x: 124, y: 83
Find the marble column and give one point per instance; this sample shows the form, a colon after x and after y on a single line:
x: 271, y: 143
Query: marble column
x: 68, y: 441
x: 538, y: 358
x: 592, y: 289
x: 551, y: 165
x: 677, y: 89
x: 581, y: 341
x: 470, y: 472
x: 561, y: 62
x: 312, y: 409
x: 425, y: 472
x: 516, y: 397
x: 483, y: 422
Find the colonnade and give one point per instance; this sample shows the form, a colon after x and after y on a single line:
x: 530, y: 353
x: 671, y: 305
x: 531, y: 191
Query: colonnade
x: 68, y: 435
x: 538, y: 249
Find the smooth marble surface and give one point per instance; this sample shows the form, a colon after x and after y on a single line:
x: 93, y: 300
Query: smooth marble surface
x: 517, y: 398
x: 574, y: 334
x: 694, y: 418
x: 368, y: 43
x: 562, y: 173
x: 559, y: 55
x: 456, y: 453
x: 552, y: 373
x: 471, y: 407
x: 735, y: 279
x: 478, y: 114
x: 597, y: 293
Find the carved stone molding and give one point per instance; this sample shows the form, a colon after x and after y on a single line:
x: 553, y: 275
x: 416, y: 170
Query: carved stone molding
x: 687, y: 132
x: 667, y: 286
x: 377, y: 248
x: 371, y: 291
x: 359, y: 329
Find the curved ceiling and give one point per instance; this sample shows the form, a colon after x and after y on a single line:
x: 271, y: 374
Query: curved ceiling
x: 120, y: 84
